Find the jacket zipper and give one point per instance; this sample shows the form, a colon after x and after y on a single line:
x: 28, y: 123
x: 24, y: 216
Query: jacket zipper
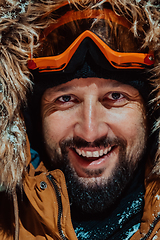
x: 59, y: 201
x: 151, y: 228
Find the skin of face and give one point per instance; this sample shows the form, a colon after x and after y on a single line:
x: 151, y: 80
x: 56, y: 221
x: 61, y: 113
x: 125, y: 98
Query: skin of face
x: 91, y: 109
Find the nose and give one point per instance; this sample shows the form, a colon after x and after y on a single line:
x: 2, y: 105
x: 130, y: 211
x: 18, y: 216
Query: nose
x: 91, y: 124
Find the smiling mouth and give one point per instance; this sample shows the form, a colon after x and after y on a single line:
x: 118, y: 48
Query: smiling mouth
x: 94, y: 155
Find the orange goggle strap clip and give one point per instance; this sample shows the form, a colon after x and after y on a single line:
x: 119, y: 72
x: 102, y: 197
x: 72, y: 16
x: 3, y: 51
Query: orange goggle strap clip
x: 118, y: 60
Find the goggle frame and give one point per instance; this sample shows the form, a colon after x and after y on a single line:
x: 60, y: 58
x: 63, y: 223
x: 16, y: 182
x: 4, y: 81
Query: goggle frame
x: 119, y: 60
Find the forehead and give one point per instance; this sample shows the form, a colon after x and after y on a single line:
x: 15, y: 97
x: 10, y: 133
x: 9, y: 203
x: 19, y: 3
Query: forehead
x: 100, y: 84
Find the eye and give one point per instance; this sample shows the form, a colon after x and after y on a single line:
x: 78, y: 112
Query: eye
x: 115, y: 99
x: 65, y: 98
x: 115, y: 96
x: 66, y: 101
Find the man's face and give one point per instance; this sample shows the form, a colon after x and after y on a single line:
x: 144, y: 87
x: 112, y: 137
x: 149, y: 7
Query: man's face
x: 95, y: 131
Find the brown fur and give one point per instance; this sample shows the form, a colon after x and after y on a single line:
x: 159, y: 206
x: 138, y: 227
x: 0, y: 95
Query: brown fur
x: 19, y: 29
x: 16, y: 39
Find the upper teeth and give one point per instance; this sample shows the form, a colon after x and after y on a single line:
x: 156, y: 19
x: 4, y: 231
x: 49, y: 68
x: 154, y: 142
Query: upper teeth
x: 93, y: 153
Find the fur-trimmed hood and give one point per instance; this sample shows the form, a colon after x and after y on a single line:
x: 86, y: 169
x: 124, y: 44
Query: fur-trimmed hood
x: 20, y: 25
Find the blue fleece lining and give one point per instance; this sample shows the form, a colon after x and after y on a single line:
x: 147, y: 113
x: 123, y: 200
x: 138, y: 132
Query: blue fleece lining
x: 35, y: 159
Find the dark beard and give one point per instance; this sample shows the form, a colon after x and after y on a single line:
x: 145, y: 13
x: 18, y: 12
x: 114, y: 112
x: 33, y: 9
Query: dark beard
x: 96, y: 196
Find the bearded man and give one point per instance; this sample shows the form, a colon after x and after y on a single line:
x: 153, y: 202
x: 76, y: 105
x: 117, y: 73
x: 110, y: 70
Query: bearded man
x: 90, y: 175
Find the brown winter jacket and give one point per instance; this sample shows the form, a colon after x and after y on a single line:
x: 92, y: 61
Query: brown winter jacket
x: 45, y: 207
x: 20, y: 25
x: 41, y: 215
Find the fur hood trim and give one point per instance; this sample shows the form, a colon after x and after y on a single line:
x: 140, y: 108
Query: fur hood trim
x: 20, y: 25
x: 16, y: 40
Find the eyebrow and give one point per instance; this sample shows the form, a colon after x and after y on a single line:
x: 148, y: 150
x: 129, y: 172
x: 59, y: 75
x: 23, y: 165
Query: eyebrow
x: 68, y: 88
x: 114, y: 84
x: 63, y: 88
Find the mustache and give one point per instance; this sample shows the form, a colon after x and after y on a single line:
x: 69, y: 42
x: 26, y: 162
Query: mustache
x: 105, y: 141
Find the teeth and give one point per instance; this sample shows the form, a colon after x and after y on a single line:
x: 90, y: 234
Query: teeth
x: 107, y: 150
x: 90, y: 154
x: 95, y: 154
x: 101, y: 152
x: 79, y: 151
x: 83, y: 153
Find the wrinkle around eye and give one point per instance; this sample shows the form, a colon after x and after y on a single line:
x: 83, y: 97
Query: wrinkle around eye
x: 48, y: 109
x: 124, y: 99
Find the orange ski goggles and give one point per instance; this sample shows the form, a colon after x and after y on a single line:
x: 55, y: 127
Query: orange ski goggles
x: 109, y: 32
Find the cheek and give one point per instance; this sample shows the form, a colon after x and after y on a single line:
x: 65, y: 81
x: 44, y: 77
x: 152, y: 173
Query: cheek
x: 136, y: 122
x: 57, y: 126
x: 129, y: 122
